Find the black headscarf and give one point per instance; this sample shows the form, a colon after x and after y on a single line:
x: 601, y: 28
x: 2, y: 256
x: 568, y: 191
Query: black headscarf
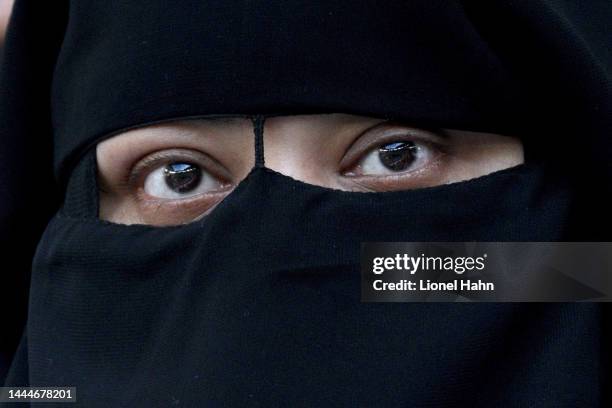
x: 258, y: 303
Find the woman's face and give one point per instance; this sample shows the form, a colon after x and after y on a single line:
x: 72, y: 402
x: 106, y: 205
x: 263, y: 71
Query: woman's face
x: 175, y: 173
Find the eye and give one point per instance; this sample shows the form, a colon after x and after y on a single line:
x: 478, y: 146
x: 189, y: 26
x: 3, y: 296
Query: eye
x: 166, y: 187
x: 394, y: 157
x: 179, y: 180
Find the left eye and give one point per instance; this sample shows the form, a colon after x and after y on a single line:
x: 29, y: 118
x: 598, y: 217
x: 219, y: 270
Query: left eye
x: 395, y: 157
x: 178, y: 180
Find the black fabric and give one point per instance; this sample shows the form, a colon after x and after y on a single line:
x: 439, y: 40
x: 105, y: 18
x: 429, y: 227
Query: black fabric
x: 258, y: 303
x: 28, y: 192
x: 246, y: 307
x: 275, y: 57
x: 4, y: 354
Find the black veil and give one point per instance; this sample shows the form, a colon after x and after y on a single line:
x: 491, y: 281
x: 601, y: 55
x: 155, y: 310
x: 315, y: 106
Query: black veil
x: 130, y: 326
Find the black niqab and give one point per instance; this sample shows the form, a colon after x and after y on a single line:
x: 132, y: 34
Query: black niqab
x: 258, y: 303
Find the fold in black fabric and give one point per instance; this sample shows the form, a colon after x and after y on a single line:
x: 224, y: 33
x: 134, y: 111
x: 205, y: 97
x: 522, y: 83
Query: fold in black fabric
x: 258, y: 303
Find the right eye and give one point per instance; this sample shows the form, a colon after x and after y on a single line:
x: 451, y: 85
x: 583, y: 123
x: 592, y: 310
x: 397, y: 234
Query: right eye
x: 171, y: 174
x: 180, y: 179
x: 176, y: 186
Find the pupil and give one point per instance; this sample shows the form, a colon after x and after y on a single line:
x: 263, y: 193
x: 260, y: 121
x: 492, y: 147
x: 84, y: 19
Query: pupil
x: 182, y: 177
x: 398, y: 156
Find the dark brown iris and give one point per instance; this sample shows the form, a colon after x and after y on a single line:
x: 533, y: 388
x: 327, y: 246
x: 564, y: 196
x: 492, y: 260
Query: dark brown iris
x: 398, y: 156
x: 182, y: 177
